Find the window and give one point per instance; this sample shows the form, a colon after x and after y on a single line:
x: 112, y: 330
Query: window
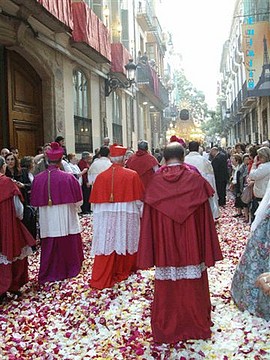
x: 117, y: 119
x: 82, y: 122
x: 96, y: 6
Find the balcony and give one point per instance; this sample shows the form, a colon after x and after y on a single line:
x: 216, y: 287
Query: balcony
x: 149, y: 84
x: 120, y: 57
x: 247, y: 101
x: 155, y: 35
x: 145, y: 15
x: 242, y: 103
x: 56, y: 15
x: 90, y: 35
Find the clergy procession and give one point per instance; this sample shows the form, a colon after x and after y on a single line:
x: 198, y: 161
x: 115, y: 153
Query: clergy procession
x: 135, y: 254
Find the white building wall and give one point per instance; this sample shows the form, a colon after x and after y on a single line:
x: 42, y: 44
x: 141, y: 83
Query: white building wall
x: 69, y: 106
x: 94, y: 108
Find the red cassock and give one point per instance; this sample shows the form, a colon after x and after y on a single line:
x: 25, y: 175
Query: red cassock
x: 179, y: 238
x: 15, y: 240
x: 116, y: 221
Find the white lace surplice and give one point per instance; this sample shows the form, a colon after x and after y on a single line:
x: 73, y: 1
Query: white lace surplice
x: 116, y: 228
x: 59, y: 220
x: 179, y: 273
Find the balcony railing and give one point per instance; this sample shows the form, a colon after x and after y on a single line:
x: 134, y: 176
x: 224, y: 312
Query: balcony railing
x: 145, y: 15
x: 156, y: 35
x: 147, y: 79
x: 241, y: 103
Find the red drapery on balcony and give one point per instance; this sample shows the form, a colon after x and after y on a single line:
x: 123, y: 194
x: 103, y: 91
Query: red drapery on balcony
x: 61, y: 9
x: 104, y: 40
x: 120, y: 57
x: 89, y: 29
x: 155, y: 81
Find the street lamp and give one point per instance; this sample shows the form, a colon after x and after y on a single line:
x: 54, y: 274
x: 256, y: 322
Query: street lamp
x: 113, y: 83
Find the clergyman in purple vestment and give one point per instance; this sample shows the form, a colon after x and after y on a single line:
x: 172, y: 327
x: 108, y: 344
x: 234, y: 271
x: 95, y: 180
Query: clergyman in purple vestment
x: 58, y: 196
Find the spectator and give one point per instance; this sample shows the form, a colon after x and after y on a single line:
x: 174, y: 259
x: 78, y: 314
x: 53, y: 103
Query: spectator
x: 260, y: 174
x: 4, y: 152
x: 101, y: 164
x: 84, y: 163
x: 219, y: 163
x: 76, y: 171
x: 41, y: 160
x: 254, y: 261
x: 39, y: 150
x: 106, y: 141
x: 13, y: 169
x: 240, y: 148
x: 61, y: 141
x: 14, y: 151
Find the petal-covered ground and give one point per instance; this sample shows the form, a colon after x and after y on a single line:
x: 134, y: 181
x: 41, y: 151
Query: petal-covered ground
x: 70, y: 320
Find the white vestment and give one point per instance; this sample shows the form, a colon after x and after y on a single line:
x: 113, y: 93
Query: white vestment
x: 206, y: 169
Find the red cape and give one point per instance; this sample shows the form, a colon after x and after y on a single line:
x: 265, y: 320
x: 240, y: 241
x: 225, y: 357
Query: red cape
x: 126, y: 186
x: 177, y: 225
x: 13, y: 234
x: 184, y: 189
x: 141, y: 162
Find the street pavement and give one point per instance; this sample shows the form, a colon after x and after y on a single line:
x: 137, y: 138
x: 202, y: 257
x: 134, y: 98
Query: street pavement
x: 70, y: 320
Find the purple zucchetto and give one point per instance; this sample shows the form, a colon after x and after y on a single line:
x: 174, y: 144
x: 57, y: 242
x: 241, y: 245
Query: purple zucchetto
x: 55, y: 152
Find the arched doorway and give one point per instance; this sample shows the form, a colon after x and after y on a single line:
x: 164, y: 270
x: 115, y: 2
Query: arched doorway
x: 24, y: 123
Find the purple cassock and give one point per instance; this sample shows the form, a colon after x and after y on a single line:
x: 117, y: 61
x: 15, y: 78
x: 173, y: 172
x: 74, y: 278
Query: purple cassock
x: 58, y: 196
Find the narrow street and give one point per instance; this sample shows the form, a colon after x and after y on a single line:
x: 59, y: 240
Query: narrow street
x: 69, y: 320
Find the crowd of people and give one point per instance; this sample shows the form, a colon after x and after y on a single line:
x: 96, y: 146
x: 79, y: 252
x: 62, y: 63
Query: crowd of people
x: 150, y: 209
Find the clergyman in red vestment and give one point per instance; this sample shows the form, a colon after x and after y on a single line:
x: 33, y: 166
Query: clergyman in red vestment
x: 15, y: 240
x: 143, y: 163
x: 179, y: 238
x: 116, y: 195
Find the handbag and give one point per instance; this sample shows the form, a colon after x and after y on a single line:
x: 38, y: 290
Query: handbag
x: 247, y: 194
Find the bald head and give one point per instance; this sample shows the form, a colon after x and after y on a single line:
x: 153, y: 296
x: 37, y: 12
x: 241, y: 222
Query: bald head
x: 4, y: 152
x: 174, y: 151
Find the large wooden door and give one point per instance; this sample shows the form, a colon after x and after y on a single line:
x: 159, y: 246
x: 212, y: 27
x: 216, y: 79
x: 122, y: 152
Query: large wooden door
x: 24, y: 105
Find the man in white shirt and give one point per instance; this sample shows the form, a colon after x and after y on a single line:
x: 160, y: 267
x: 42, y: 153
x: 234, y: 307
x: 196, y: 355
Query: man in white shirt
x: 101, y: 164
x: 206, y: 169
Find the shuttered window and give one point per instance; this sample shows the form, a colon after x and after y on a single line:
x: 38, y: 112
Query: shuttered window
x: 82, y: 121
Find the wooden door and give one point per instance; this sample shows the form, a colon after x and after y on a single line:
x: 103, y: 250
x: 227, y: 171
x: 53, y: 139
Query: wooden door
x: 25, y: 121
